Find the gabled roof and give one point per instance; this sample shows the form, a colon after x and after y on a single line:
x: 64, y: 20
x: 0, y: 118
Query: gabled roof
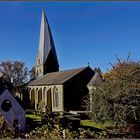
x: 54, y: 78
x: 96, y: 79
x: 46, y: 43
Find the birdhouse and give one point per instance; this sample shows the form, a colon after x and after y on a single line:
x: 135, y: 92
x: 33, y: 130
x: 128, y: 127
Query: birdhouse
x: 10, y: 109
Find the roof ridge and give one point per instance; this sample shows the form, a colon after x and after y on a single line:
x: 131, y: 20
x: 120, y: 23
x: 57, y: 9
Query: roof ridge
x: 56, y: 77
x: 67, y: 70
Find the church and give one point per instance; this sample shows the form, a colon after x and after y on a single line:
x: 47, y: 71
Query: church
x: 59, y: 91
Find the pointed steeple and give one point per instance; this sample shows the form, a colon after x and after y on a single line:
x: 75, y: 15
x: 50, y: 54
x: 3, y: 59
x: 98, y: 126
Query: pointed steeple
x: 47, y: 59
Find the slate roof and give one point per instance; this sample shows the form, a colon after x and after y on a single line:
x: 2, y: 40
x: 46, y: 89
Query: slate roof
x: 96, y: 79
x: 54, y: 78
x: 46, y: 43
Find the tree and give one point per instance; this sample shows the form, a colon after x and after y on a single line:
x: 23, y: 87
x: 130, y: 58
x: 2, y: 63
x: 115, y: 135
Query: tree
x: 118, y: 97
x: 32, y: 73
x: 14, y: 71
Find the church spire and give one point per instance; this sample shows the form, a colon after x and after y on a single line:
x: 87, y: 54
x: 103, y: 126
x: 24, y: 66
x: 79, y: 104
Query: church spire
x: 47, y: 59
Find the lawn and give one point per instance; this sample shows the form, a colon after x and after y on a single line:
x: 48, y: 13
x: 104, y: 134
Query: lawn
x: 30, y: 114
x: 96, y: 125
x: 34, y: 117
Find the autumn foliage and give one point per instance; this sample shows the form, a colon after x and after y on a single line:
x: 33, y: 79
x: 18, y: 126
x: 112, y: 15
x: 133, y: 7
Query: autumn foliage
x: 117, y: 99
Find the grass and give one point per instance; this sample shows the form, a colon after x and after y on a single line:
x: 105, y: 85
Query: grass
x: 96, y: 125
x: 30, y: 113
x: 34, y: 117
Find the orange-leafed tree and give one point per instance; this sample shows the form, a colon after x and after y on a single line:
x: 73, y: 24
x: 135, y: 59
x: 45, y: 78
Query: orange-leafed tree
x: 117, y: 99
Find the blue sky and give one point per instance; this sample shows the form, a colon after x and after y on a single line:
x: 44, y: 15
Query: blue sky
x: 83, y: 32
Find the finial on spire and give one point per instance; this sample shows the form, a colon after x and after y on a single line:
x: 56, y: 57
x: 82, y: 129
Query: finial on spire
x: 88, y: 64
x: 43, y: 4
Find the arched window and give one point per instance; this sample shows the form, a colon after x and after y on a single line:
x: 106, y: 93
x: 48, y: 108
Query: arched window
x: 55, y: 97
x: 38, y: 61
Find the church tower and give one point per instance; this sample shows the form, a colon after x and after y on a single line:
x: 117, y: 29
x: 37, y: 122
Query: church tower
x: 46, y: 59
